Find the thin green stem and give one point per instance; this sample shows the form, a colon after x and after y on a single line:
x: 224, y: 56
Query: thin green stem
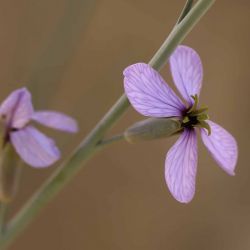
x: 89, y: 145
x: 108, y: 141
x: 185, y: 10
x: 3, y: 213
x: 179, y: 33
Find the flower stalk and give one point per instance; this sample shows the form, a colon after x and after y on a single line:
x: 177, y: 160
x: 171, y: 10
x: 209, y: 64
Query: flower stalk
x: 10, y: 170
x: 186, y: 9
x: 179, y: 33
x: 3, y: 212
x: 105, y: 142
x: 90, y: 144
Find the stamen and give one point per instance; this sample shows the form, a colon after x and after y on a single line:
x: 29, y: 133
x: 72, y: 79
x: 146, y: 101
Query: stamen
x: 194, y: 107
x: 186, y: 119
x: 202, y: 117
x: 205, y: 125
x: 196, y: 117
x: 199, y: 111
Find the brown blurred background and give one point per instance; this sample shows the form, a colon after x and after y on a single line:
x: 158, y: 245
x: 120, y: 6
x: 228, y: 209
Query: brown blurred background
x: 71, y: 54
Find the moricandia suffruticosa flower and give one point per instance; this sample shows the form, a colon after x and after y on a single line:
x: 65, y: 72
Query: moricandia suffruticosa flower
x: 35, y: 148
x: 151, y: 96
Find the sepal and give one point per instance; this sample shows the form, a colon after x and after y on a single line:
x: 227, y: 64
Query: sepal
x: 152, y: 128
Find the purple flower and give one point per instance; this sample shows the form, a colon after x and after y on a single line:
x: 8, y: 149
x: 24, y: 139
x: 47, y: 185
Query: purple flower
x: 35, y: 148
x: 151, y: 96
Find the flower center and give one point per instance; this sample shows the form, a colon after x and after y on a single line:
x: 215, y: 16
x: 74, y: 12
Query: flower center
x: 196, y: 117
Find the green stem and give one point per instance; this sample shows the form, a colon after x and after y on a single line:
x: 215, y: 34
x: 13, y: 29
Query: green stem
x: 3, y: 213
x: 108, y: 141
x: 88, y: 147
x: 179, y: 33
x: 185, y: 10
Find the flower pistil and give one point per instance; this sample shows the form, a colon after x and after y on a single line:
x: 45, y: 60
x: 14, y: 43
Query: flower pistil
x: 196, y: 117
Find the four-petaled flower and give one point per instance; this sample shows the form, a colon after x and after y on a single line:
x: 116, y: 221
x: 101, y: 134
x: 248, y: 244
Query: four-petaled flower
x: 33, y: 147
x: 151, y: 96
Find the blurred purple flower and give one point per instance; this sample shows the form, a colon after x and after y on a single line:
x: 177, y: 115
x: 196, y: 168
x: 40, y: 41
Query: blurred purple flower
x: 35, y: 148
x: 151, y: 96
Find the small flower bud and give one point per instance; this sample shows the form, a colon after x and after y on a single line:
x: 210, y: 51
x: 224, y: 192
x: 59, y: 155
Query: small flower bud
x: 9, y: 173
x: 152, y: 128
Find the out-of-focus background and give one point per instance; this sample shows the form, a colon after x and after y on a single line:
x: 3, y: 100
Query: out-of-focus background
x: 71, y: 54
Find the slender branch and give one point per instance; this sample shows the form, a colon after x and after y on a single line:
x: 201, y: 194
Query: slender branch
x: 3, y: 212
x: 88, y: 147
x: 108, y: 141
x: 185, y: 10
x: 179, y: 33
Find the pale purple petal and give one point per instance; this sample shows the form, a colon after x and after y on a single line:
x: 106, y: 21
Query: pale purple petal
x: 56, y: 120
x: 17, y: 108
x: 187, y: 72
x: 222, y: 146
x: 149, y: 94
x: 181, y: 167
x: 35, y: 148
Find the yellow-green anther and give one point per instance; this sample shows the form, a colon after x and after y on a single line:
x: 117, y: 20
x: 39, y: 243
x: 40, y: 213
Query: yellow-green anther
x: 205, y: 125
x: 198, y: 111
x: 202, y: 117
x: 194, y: 107
x: 186, y: 119
x: 152, y: 128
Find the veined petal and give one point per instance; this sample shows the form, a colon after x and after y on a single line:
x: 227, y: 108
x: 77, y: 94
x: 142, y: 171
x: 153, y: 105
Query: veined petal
x: 222, y: 146
x: 17, y: 108
x: 56, y: 120
x: 35, y: 148
x: 181, y: 167
x: 149, y: 94
x: 187, y: 72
